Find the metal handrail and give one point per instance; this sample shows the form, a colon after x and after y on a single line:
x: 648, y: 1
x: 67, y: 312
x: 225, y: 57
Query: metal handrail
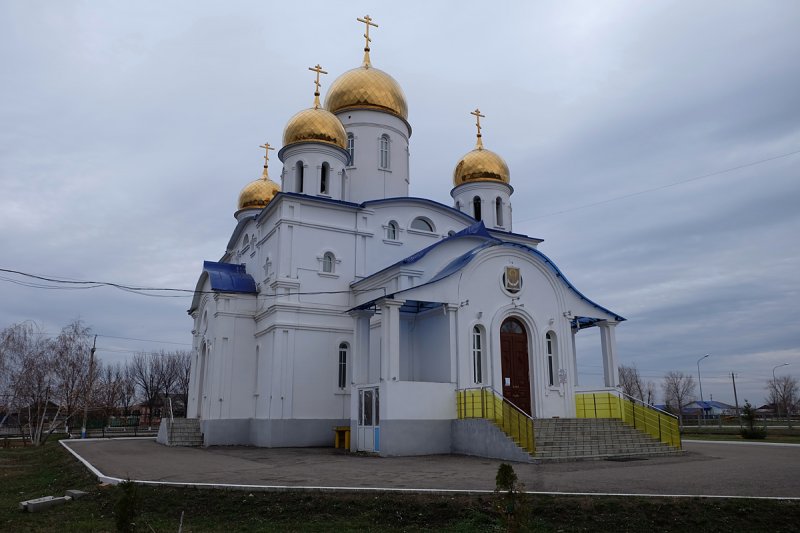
x: 514, y: 422
x: 629, y: 397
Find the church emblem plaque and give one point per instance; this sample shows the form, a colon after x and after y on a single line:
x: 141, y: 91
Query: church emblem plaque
x: 512, y: 281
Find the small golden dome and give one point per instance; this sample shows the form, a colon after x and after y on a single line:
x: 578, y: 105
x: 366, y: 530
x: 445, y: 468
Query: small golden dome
x: 366, y: 87
x: 481, y: 165
x: 315, y: 125
x: 258, y: 193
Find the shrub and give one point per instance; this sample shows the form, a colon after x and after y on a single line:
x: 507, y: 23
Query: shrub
x: 126, y: 508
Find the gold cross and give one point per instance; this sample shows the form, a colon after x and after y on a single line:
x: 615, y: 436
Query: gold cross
x: 318, y: 70
x: 478, y: 117
x: 368, y: 21
x: 266, y: 148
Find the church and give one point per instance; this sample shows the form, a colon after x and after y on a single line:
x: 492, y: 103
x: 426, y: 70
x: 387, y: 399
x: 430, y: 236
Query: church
x: 343, y: 302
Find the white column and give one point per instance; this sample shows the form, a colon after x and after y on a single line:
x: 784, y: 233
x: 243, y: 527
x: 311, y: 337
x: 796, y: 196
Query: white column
x: 451, y: 319
x: 574, y: 332
x: 609, y: 345
x: 360, y: 352
x: 390, y: 339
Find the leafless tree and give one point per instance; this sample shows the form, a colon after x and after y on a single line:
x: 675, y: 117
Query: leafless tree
x: 145, y: 372
x: 783, y: 394
x: 633, y: 385
x: 109, y: 385
x: 166, y: 365
x: 184, y: 365
x: 678, y: 392
x: 71, y: 365
x: 127, y: 389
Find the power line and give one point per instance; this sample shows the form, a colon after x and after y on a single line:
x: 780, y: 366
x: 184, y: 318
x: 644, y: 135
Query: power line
x: 660, y: 187
x: 144, y: 340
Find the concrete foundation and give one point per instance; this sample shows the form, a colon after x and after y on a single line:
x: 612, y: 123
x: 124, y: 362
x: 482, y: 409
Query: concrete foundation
x: 481, y: 438
x: 270, y: 433
x: 415, y: 437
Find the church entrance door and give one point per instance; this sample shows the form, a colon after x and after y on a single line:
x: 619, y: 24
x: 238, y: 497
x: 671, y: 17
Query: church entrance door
x: 368, y: 430
x: 514, y: 360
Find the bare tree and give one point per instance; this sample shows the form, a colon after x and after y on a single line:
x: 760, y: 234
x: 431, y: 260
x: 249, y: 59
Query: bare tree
x: 678, y: 392
x: 145, y: 373
x: 783, y: 394
x: 71, y: 365
x: 632, y: 384
x: 109, y: 389
x: 184, y: 365
x: 166, y: 366
x: 127, y: 389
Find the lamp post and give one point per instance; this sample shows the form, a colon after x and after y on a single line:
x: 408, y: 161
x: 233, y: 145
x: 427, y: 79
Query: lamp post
x: 700, y: 382
x: 773, y: 371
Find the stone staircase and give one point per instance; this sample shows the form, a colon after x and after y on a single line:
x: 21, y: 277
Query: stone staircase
x: 571, y: 439
x: 180, y: 432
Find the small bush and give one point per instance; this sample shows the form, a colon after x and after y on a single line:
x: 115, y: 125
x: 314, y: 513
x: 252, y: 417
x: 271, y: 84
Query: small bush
x: 754, y: 433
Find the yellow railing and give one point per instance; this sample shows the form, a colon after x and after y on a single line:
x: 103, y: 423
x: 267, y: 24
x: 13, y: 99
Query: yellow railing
x: 646, y: 418
x: 486, y: 403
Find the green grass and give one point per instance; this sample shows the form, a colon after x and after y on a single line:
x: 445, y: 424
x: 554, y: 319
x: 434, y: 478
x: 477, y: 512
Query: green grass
x: 30, y: 473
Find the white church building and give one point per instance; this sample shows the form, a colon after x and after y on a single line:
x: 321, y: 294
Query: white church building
x: 341, y: 300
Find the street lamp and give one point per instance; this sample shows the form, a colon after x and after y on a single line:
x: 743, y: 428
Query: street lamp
x: 698, y: 375
x: 773, y: 371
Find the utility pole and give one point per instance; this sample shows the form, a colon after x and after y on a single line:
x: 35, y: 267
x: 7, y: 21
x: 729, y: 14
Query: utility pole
x: 736, y: 399
x: 88, y: 389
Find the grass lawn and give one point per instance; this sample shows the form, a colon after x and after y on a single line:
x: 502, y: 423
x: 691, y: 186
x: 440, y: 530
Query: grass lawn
x: 33, y: 472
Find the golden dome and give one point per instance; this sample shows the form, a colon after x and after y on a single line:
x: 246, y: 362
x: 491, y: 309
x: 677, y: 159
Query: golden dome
x: 366, y: 87
x: 481, y: 165
x: 315, y: 125
x: 258, y: 193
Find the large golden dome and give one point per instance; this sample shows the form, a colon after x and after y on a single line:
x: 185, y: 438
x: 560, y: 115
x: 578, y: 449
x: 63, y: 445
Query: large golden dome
x: 366, y: 87
x: 481, y: 165
x: 315, y: 125
x: 258, y: 193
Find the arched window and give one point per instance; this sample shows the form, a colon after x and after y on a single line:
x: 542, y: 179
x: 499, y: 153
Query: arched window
x: 391, y: 231
x: 324, y: 178
x: 498, y: 211
x: 351, y: 149
x: 299, y: 176
x: 550, y: 341
x: 477, y: 354
x: 384, y: 151
x: 343, y: 348
x: 246, y: 242
x: 328, y: 261
x: 422, y: 224
x: 476, y: 207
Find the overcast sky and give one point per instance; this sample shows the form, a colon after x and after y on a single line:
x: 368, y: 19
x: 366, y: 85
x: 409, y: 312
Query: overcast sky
x: 127, y: 131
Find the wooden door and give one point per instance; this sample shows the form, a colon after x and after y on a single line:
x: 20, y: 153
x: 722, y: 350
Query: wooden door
x: 514, y: 360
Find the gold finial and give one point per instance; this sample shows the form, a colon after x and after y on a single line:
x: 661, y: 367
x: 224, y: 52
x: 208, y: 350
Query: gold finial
x: 266, y: 148
x: 318, y: 70
x: 367, y: 20
x: 478, y: 116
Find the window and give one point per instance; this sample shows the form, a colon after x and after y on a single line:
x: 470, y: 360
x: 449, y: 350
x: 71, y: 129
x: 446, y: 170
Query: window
x: 498, y: 211
x: 550, y: 340
x: 391, y: 231
x: 476, y: 207
x: 422, y: 224
x: 246, y: 242
x: 323, y: 178
x: 384, y: 151
x: 299, y: 176
x: 342, y: 365
x: 477, y: 354
x: 458, y: 205
x: 328, y: 261
x: 351, y: 149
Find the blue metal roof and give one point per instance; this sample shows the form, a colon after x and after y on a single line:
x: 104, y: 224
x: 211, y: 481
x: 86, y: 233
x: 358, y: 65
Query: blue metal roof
x: 226, y: 277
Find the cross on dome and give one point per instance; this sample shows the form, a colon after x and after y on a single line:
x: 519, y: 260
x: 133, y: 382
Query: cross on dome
x: 478, y: 116
x: 318, y: 70
x: 367, y: 20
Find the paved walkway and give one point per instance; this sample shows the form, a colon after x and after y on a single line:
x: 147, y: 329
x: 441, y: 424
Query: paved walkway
x: 709, y: 468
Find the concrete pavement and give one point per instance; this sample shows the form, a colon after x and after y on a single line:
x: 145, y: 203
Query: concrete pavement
x: 709, y: 468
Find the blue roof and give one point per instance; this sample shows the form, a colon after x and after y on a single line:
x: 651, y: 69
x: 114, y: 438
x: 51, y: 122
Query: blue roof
x: 226, y: 277
x: 479, y: 230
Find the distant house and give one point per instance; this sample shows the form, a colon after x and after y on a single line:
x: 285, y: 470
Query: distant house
x: 709, y: 408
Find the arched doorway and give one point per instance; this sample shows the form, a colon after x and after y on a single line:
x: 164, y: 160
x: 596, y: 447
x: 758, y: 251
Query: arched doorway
x: 514, y: 361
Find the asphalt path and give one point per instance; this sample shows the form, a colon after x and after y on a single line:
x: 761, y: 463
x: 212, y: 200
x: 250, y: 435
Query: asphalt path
x: 707, y: 469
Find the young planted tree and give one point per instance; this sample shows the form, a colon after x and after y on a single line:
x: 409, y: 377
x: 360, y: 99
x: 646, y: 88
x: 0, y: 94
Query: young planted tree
x: 784, y: 393
x: 678, y: 392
